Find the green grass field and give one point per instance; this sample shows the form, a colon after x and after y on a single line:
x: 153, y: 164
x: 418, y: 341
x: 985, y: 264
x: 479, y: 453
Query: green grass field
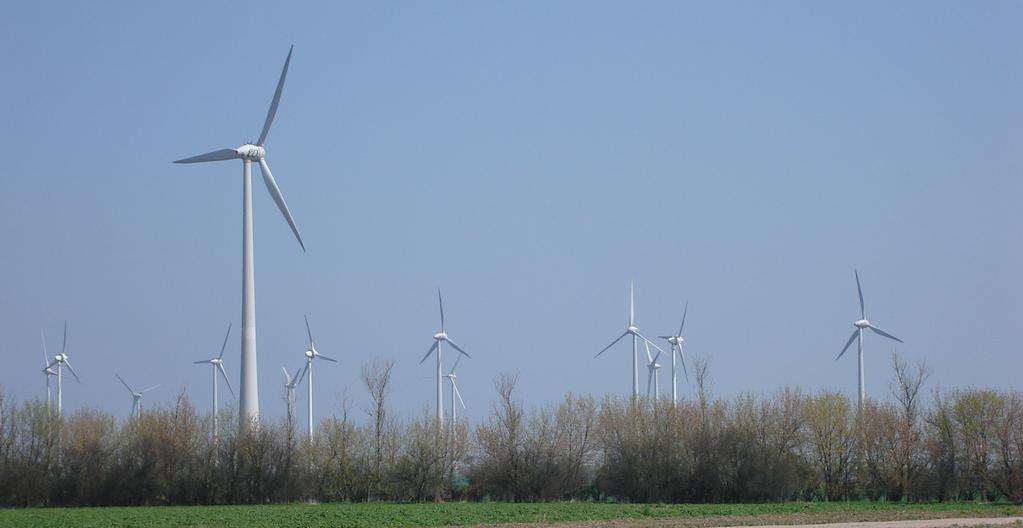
x: 407, y: 515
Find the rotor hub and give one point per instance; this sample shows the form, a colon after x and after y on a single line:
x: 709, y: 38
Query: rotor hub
x: 633, y: 330
x: 250, y: 152
x: 862, y: 323
x: 440, y: 336
x: 310, y: 353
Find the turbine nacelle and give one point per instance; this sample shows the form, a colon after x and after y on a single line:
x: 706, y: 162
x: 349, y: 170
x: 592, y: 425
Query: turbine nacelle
x: 862, y: 323
x: 676, y: 340
x: 251, y: 152
x: 311, y: 353
x: 632, y: 330
x: 440, y: 336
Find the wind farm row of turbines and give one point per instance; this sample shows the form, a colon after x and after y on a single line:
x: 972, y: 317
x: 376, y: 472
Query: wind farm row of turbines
x: 248, y: 399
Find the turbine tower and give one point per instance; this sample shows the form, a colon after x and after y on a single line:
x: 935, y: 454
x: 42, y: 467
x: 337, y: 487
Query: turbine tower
x: 136, y: 397
x: 634, y: 332
x: 249, y: 153
x: 454, y: 392
x: 438, y: 339
x: 652, y: 375
x: 676, y: 342
x: 59, y: 361
x: 857, y: 336
x: 218, y: 367
x: 310, y: 355
x: 48, y: 372
x: 289, y: 384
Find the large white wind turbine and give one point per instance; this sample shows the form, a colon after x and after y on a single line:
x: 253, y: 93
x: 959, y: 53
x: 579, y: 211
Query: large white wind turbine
x: 59, y: 361
x: 310, y: 355
x: 857, y: 336
x: 289, y: 384
x: 634, y: 332
x: 454, y: 392
x: 249, y: 153
x: 676, y: 342
x: 218, y: 367
x: 438, y: 339
x: 653, y: 375
x: 48, y: 372
x: 136, y: 397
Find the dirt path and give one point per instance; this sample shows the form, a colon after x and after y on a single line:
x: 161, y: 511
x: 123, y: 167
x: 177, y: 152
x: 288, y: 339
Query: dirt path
x: 919, y: 523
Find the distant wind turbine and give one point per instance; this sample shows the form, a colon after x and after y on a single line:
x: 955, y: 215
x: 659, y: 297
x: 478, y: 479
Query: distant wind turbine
x: 438, y: 339
x: 451, y: 376
x: 218, y: 367
x: 857, y: 336
x: 634, y: 332
x: 136, y: 397
x: 289, y: 384
x: 676, y: 342
x: 59, y: 361
x: 652, y: 372
x: 48, y: 372
x: 252, y: 153
x: 310, y: 355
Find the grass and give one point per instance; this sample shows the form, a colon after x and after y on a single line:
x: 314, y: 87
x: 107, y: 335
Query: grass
x: 422, y: 515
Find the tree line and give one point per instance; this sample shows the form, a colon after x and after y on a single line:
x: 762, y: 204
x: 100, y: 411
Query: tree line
x: 960, y: 444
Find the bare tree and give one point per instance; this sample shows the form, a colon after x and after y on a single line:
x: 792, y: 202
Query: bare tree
x: 377, y: 378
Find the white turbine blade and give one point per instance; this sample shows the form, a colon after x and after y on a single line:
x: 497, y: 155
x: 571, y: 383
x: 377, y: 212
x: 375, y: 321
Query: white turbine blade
x: 149, y: 389
x: 641, y: 336
x: 440, y: 302
x: 455, y: 366
x: 224, y: 346
x: 863, y: 312
x: 301, y: 375
x: 455, y: 386
x: 72, y: 369
x: 683, y: 325
x: 878, y: 331
x: 220, y: 367
x: 632, y: 306
x: 275, y: 192
x: 308, y: 331
x: 657, y: 355
x: 45, y: 353
x: 848, y: 344
x: 63, y: 349
x: 125, y: 383
x: 287, y: 378
x: 649, y: 358
x: 277, y: 99
x: 611, y: 345
x: 321, y: 356
x: 458, y: 348
x: 428, y: 352
x: 216, y: 155
x: 203, y: 361
x: 683, y: 357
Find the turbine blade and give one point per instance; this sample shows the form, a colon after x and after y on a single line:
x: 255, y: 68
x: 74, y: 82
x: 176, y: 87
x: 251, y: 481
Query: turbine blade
x: 321, y: 356
x: 428, y: 352
x: 683, y: 325
x: 301, y: 375
x: 45, y: 353
x: 657, y: 355
x: 63, y: 348
x: 149, y: 389
x: 455, y: 366
x: 72, y: 369
x: 878, y: 331
x: 649, y: 358
x: 125, y: 383
x: 683, y: 358
x: 641, y: 336
x: 455, y: 386
x: 458, y: 348
x: 216, y: 155
x: 863, y: 312
x: 287, y: 378
x: 632, y: 305
x: 848, y: 343
x: 440, y: 302
x: 277, y: 99
x: 308, y: 331
x: 220, y: 367
x: 224, y: 346
x: 202, y: 361
x: 275, y: 192
x: 611, y: 345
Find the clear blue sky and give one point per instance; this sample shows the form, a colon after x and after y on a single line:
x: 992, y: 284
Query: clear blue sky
x: 530, y: 158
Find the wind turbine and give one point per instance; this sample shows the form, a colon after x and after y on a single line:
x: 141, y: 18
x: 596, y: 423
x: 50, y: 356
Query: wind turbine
x: 676, y: 341
x: 652, y: 367
x: 310, y: 355
x: 438, y: 339
x: 47, y: 371
x: 218, y: 366
x: 857, y: 336
x: 290, y: 383
x: 249, y: 153
x: 454, y: 392
x: 59, y: 361
x: 136, y: 397
x: 634, y: 332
